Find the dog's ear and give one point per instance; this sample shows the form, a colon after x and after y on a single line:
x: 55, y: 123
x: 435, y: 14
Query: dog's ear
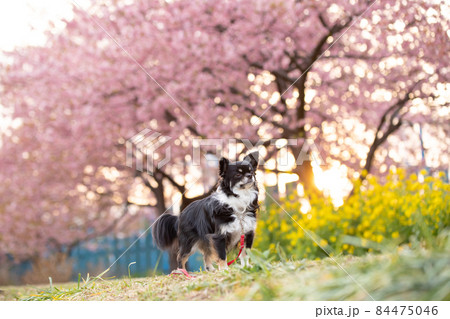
x: 223, y: 166
x: 253, y: 158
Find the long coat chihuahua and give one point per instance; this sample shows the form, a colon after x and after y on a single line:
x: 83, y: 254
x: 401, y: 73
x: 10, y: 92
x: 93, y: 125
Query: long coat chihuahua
x: 214, y: 224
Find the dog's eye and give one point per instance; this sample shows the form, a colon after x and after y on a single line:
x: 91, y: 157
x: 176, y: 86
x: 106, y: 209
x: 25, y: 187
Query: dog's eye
x: 238, y: 175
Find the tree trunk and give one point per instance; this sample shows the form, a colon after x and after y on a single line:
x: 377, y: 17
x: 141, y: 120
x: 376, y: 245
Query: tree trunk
x: 304, y: 170
x: 306, y: 176
x: 392, y: 120
x: 160, y: 201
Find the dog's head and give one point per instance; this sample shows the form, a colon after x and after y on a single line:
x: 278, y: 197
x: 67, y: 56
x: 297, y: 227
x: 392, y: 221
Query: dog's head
x: 239, y: 175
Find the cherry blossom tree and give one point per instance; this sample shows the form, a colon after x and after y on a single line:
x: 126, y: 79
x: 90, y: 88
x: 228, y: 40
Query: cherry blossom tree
x: 357, y: 77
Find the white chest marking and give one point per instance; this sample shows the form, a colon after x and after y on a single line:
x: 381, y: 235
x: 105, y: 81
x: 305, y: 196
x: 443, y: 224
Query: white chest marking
x: 234, y: 227
x: 246, y: 197
x: 243, y: 222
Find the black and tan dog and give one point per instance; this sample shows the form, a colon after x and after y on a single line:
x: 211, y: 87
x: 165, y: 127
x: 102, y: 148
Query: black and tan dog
x: 214, y: 224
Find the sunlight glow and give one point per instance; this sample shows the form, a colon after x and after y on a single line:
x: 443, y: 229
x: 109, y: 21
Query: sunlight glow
x: 333, y: 182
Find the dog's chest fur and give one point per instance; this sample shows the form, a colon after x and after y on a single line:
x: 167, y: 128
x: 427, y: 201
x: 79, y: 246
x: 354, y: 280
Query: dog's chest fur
x: 241, y: 213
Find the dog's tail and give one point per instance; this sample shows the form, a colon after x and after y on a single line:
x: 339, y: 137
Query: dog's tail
x: 165, y: 231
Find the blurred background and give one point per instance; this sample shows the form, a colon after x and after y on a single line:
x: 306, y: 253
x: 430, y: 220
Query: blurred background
x: 347, y: 103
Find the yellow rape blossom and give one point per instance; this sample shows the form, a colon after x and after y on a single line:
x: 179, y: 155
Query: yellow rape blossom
x: 378, y: 212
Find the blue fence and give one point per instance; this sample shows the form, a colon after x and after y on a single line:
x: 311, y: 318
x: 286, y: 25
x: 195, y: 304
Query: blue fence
x: 99, y: 254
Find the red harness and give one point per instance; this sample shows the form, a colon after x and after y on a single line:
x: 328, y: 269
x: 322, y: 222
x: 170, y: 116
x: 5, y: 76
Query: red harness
x: 240, y: 250
x: 180, y: 271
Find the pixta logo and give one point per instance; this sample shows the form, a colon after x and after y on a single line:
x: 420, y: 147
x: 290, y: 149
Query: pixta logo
x: 145, y: 148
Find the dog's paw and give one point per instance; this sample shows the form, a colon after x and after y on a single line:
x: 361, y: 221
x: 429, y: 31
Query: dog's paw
x: 222, y: 265
x: 210, y: 268
x: 245, y: 261
x: 222, y: 268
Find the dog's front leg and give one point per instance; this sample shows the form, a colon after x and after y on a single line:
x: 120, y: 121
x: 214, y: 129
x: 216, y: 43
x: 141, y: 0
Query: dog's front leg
x: 208, y: 263
x: 245, y: 260
x: 220, y: 244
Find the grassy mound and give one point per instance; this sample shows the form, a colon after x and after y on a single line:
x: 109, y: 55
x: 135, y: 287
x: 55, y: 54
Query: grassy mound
x: 404, y: 275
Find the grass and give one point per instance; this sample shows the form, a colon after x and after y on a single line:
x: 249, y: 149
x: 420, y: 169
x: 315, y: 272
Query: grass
x: 407, y: 274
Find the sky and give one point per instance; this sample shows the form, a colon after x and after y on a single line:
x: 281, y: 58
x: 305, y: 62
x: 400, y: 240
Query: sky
x: 23, y: 22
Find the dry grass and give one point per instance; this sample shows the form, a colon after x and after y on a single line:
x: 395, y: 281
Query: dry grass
x: 57, y: 266
x: 408, y: 275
